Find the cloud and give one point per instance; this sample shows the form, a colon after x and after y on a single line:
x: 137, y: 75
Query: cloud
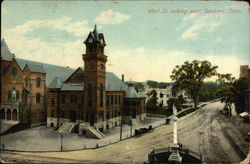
x: 111, y: 17
x: 199, y: 25
x: 59, y: 53
x: 78, y: 28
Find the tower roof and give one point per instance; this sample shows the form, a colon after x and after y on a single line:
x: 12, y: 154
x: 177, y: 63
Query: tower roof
x: 97, y: 37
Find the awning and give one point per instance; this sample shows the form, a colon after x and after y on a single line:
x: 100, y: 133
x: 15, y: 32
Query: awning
x: 244, y: 114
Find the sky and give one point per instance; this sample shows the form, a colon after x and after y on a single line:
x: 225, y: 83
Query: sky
x: 145, y: 39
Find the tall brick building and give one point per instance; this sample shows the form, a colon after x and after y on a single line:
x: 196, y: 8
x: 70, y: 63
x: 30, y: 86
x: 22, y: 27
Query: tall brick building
x: 55, y: 95
x: 92, y: 96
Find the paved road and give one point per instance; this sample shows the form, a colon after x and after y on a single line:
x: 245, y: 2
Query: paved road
x: 206, y: 131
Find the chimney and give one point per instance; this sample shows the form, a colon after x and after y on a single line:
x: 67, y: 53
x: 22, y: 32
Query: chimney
x: 122, y: 77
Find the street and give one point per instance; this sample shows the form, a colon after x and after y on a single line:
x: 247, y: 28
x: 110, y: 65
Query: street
x: 208, y: 132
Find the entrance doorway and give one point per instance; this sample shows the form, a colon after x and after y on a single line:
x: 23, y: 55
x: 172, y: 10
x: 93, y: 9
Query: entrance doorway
x: 73, y: 116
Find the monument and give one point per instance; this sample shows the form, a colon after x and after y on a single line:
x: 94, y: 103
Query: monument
x: 175, y: 156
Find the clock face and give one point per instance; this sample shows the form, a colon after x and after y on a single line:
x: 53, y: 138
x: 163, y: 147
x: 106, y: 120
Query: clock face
x: 90, y: 40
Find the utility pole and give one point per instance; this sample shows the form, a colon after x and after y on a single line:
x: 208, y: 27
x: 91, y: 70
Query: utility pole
x: 121, y: 125
x: 61, y: 142
x: 131, y: 127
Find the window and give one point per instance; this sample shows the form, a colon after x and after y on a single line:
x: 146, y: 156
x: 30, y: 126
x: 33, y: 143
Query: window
x: 26, y: 82
x: 115, y: 99
x: 90, y: 49
x: 14, y: 72
x: 89, y: 94
x: 100, y: 116
x: 73, y: 99
x: 161, y: 95
x: 17, y: 95
x: 127, y: 103
x: 107, y: 100
x: 53, y: 101
x: 115, y: 113
x: 13, y: 95
x: 101, y: 66
x: 38, y: 82
x: 38, y: 97
x: 119, y: 99
x: 133, y: 103
x: 112, y: 99
x: 79, y: 76
x: 101, y: 94
x: 107, y: 115
x: 167, y: 95
x: 62, y: 114
x: 138, y: 103
x: 9, y: 95
x: 63, y: 99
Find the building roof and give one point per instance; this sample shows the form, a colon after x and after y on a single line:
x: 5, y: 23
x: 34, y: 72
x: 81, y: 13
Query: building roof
x: 56, y: 75
x: 131, y: 93
x: 52, y: 71
x: 72, y: 87
x: 56, y: 83
x: 96, y: 36
x: 35, y: 67
x: 5, y: 51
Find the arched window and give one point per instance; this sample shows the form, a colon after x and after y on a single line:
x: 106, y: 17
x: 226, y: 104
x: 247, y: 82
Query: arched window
x: 14, y: 72
x: 26, y: 82
x: 9, y: 95
x: 38, y: 97
x: 38, y: 82
x: 13, y: 96
x: 14, y: 115
x: 101, y: 94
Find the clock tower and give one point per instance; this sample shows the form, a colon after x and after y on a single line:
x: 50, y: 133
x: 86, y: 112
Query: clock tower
x: 94, y: 78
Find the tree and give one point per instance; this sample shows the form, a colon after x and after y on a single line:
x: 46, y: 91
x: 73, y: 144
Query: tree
x: 152, y: 84
x: 175, y: 101
x: 138, y: 85
x: 190, y: 77
x: 232, y: 91
x: 208, y: 91
x: 152, y: 102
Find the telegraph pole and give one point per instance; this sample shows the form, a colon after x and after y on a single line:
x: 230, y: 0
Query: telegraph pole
x: 61, y: 142
x: 121, y: 125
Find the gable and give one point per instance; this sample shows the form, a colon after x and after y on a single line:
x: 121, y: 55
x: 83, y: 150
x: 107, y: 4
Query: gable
x: 76, y: 77
x: 13, y: 72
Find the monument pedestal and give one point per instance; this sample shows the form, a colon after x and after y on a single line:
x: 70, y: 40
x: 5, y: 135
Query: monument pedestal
x: 175, y: 156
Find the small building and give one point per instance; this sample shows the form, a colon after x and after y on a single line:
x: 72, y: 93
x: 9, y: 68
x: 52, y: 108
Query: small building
x: 163, y: 94
x: 244, y: 70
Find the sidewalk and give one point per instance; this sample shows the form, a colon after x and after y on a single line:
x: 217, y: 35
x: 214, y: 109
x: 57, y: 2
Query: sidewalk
x: 43, y: 138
